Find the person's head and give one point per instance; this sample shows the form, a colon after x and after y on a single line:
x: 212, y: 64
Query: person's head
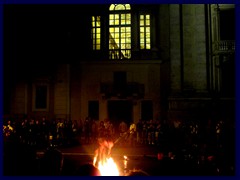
x: 88, y: 170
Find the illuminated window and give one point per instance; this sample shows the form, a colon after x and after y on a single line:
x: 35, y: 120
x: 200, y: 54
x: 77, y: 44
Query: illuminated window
x: 120, y: 31
x: 96, y: 32
x: 145, y: 39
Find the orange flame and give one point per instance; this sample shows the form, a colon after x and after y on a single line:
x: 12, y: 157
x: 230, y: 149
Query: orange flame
x: 108, y: 168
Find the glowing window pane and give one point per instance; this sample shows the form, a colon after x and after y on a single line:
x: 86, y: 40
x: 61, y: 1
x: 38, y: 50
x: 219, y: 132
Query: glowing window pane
x: 117, y: 36
x: 128, y: 16
x: 123, y: 29
x: 128, y: 29
x: 128, y: 46
x: 148, y: 46
x: 116, y: 16
x: 141, y: 22
x: 147, y: 35
x: 111, y: 16
x: 123, y: 21
x: 111, y: 8
x: 142, y: 29
x: 116, y: 22
x: 147, y: 29
x: 98, y: 36
x: 142, y: 40
x: 127, y: 6
x: 120, y: 7
x: 98, y: 46
x: 147, y: 22
x: 128, y: 40
x: 98, y: 30
x: 116, y: 29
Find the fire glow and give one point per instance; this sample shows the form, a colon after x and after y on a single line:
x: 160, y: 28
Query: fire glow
x: 108, y: 168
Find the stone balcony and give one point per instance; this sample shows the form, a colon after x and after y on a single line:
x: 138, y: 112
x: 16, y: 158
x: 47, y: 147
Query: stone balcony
x: 224, y: 47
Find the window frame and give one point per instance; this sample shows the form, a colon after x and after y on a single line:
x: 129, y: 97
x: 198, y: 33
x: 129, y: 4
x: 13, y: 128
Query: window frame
x: 34, y: 96
x: 121, y: 30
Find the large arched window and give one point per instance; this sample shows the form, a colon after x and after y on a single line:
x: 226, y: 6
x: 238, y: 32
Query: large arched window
x: 119, y: 31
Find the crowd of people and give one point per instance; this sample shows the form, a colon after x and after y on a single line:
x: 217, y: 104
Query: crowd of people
x: 199, y: 139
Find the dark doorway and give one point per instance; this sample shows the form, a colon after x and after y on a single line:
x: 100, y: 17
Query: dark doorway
x: 146, y: 110
x: 120, y: 110
x: 93, y: 109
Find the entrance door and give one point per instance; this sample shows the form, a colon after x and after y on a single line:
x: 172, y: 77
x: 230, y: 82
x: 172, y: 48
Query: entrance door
x: 120, y: 110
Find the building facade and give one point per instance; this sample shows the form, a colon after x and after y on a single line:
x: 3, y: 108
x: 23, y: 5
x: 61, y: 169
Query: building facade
x: 120, y: 61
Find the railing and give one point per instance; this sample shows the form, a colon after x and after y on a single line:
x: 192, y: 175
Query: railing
x: 224, y: 46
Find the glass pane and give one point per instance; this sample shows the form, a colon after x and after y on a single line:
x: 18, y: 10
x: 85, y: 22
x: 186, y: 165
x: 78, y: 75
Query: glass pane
x: 128, y: 29
x: 123, y: 29
x: 98, y: 30
x: 147, y: 16
x: 128, y: 18
x: 111, y: 16
x: 112, y: 6
x: 117, y: 29
x: 141, y: 22
x: 147, y: 29
x: 142, y: 29
x: 120, y: 7
x: 116, y: 35
x: 116, y: 22
x: 148, y: 35
x: 123, y: 21
x: 98, y: 46
x: 111, y: 30
x: 128, y: 35
x: 147, y: 22
x: 128, y: 46
x: 127, y: 6
x: 148, y: 46
x: 141, y: 46
x: 116, y: 16
x: 123, y: 41
x: 142, y: 40
x: 98, y: 23
x: 148, y: 40
x: 98, y: 36
x: 123, y: 16
x: 141, y: 17
x: 93, y: 24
